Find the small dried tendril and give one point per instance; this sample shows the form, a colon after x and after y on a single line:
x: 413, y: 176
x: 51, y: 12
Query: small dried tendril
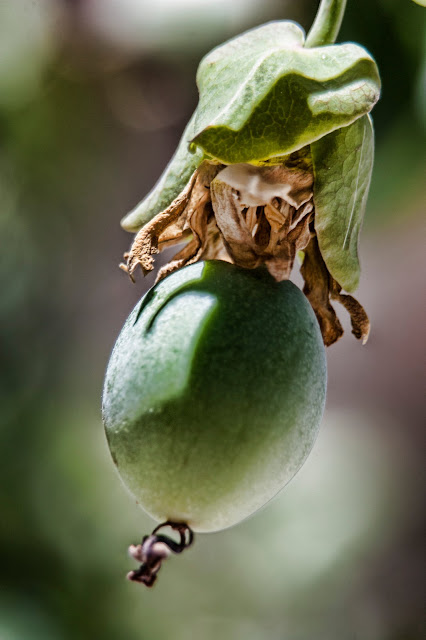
x: 155, y: 548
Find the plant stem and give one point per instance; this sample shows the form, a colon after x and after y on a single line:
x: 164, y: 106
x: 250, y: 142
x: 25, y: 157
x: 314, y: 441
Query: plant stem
x: 326, y: 24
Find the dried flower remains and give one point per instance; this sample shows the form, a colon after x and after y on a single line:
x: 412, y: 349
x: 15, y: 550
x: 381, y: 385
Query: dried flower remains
x: 250, y: 215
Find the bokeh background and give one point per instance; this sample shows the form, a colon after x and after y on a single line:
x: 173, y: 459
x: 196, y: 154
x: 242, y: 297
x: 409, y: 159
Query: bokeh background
x: 94, y: 95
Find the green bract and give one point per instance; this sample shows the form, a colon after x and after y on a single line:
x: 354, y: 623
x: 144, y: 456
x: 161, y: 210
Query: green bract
x: 214, y: 393
x: 343, y: 162
x: 264, y: 94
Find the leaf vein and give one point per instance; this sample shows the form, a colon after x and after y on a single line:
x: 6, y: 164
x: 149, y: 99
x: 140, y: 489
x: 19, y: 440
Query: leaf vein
x: 344, y: 246
x: 245, y: 83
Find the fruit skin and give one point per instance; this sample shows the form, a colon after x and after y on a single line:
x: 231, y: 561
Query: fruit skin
x: 214, y: 393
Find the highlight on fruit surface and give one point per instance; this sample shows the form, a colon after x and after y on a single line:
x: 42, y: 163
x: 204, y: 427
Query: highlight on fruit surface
x: 214, y: 394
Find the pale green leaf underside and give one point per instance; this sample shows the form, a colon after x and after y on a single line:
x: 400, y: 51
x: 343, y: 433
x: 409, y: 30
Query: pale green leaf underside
x: 171, y: 183
x: 343, y: 162
x: 263, y: 94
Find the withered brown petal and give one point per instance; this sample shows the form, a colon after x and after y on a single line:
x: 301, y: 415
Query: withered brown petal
x: 317, y: 290
x: 187, y: 255
x: 286, y: 248
x: 174, y: 224
x: 173, y: 234
x: 359, y: 319
x: 320, y: 286
x: 145, y: 244
x: 237, y: 237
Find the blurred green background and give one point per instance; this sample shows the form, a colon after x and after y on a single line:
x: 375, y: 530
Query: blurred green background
x: 94, y: 95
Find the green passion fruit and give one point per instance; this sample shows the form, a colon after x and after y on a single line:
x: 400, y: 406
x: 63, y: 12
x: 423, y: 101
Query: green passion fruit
x: 214, y: 393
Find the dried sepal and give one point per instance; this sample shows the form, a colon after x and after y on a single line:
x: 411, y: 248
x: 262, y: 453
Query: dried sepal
x: 145, y: 244
x: 319, y: 288
x: 187, y: 215
x: 359, y: 319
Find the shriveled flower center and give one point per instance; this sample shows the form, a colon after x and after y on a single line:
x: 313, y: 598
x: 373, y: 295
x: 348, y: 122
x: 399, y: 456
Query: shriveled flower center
x: 264, y: 214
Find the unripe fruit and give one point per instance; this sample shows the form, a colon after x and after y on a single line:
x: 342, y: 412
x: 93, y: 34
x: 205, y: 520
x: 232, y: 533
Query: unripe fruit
x: 214, y: 393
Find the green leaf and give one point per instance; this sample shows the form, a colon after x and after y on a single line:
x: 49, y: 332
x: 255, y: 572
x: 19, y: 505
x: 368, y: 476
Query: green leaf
x: 263, y: 94
x: 343, y: 162
x: 172, y: 182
